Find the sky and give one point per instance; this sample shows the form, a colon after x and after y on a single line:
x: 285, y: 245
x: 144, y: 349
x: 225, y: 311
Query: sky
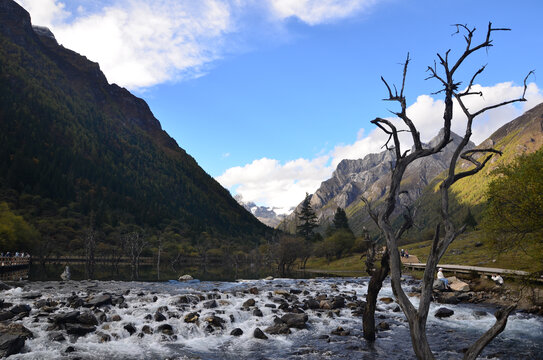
x: 270, y: 95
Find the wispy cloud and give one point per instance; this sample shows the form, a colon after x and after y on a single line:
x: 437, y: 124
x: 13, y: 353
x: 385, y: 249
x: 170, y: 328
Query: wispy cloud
x: 141, y: 43
x: 315, y: 12
x: 269, y: 182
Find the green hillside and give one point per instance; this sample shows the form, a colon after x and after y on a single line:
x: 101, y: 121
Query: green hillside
x: 72, y: 145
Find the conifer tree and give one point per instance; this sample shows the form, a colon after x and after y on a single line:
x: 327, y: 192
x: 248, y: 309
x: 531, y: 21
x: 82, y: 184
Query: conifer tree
x: 307, y: 220
x: 340, y: 220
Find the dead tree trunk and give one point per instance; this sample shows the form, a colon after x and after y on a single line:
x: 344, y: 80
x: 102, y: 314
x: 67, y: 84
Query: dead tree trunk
x: 417, y: 317
x: 90, y: 247
x: 374, y: 286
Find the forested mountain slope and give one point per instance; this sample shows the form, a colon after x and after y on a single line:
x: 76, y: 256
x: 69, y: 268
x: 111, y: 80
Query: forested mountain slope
x: 72, y: 145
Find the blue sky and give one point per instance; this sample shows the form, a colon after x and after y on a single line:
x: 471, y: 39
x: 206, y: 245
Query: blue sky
x: 270, y: 95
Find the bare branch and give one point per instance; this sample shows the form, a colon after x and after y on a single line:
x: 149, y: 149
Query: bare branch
x: 501, y: 320
x: 371, y: 213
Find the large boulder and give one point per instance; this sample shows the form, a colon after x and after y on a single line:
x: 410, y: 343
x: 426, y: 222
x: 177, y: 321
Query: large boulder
x: 185, y: 278
x: 295, y: 320
x: 4, y: 286
x: 458, y: 285
x: 443, y: 313
x: 10, y: 344
x: 99, y: 300
x: 278, y: 329
x: 439, y: 285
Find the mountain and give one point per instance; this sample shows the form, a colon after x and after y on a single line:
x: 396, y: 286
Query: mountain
x: 523, y: 135
x: 369, y: 177
x: 264, y: 214
x: 76, y: 149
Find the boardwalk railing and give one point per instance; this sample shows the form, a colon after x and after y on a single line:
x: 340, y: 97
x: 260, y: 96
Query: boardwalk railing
x: 100, y: 260
x: 13, y: 262
x: 466, y: 269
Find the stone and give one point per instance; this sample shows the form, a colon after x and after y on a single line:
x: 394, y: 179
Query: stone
x: 269, y: 278
x: 185, y: 278
x: 312, y: 303
x: 443, y: 313
x: 259, y: 334
x: 63, y: 318
x: 130, y: 328
x: 295, y: 320
x: 341, y: 332
x: 32, y: 296
x: 278, y: 329
x: 215, y: 321
x: 236, y: 332
x: 253, y: 291
x: 159, y: 317
x: 383, y: 326
x: 272, y: 306
x: 192, y: 317
x: 386, y: 300
x: 249, y: 303
x: 79, y: 329
x: 69, y: 349
x: 338, y: 302
x: 116, y: 317
x: 479, y: 314
x: 458, y: 285
x: 21, y: 308
x: 4, y: 286
x: 281, y: 292
x: 325, y: 305
x: 166, y: 329
x: 10, y: 344
x: 103, y: 337
x: 146, y: 329
x: 257, y: 312
x: 210, y: 304
x: 98, y: 301
x: 56, y: 336
x: 87, y: 318
x: 16, y: 329
x: 6, y: 315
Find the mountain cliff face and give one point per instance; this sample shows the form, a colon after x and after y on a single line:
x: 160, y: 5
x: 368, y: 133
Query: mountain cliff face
x: 72, y: 146
x: 369, y: 177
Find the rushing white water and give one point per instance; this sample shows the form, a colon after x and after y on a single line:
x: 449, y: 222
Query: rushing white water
x: 522, y: 338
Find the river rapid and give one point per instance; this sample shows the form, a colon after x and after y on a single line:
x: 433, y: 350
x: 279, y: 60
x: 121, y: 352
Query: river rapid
x: 200, y: 317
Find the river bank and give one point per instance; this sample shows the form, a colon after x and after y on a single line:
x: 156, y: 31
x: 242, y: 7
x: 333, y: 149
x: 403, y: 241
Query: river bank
x: 252, y: 319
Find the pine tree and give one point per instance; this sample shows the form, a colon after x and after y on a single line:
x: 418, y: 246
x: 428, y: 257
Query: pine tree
x: 307, y: 220
x: 340, y: 220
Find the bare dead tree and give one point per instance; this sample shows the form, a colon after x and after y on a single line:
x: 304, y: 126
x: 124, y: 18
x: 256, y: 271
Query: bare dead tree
x: 377, y: 275
x: 134, y: 243
x: 417, y: 317
x: 89, y: 239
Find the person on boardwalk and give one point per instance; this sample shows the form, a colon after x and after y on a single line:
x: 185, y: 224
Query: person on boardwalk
x: 442, y: 278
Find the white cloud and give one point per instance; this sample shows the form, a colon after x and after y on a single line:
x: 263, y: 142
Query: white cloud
x: 269, y: 182
x: 315, y: 12
x: 141, y: 43
x: 45, y: 12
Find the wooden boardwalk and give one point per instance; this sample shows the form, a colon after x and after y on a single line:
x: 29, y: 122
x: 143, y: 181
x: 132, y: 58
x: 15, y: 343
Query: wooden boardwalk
x: 469, y: 269
x: 13, y: 262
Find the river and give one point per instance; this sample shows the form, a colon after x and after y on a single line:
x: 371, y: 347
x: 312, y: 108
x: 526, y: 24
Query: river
x: 522, y: 338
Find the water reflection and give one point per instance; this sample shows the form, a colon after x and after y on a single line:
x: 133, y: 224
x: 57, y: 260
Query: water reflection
x: 15, y: 275
x: 51, y: 272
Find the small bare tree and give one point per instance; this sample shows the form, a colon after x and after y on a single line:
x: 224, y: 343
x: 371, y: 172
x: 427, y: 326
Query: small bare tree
x: 417, y: 317
x: 89, y: 239
x: 134, y: 243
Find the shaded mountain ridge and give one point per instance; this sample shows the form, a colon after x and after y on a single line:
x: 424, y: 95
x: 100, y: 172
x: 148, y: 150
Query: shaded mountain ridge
x: 82, y: 146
